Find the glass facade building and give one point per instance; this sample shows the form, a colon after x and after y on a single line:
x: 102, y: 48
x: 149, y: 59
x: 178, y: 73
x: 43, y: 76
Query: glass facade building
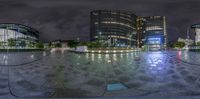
x: 152, y: 32
x: 17, y: 36
x: 114, y: 28
x: 196, y: 28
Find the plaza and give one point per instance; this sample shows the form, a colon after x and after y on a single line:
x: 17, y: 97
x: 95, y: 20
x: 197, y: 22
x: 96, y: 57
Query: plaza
x: 90, y: 75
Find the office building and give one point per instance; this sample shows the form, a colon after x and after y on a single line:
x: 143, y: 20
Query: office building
x: 17, y: 36
x: 125, y: 29
x: 196, y: 28
x: 113, y: 28
x: 152, y: 32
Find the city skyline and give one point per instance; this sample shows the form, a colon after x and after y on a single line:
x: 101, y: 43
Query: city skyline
x: 70, y: 19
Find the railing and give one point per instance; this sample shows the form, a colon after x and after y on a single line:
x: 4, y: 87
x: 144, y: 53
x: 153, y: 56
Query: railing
x: 194, y: 47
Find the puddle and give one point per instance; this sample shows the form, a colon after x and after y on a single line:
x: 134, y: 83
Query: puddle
x: 116, y: 87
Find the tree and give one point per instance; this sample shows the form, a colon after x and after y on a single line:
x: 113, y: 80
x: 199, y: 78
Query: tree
x: 58, y: 45
x: 72, y: 43
x: 198, y: 43
x: 95, y: 44
x: 83, y: 44
x: 179, y: 44
x: 30, y: 44
x: 50, y: 45
x: 39, y: 45
x: 1, y: 44
x: 22, y: 44
x: 11, y: 42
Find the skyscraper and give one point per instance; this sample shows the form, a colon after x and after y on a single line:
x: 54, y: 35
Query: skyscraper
x: 125, y: 29
x: 152, y: 32
x: 113, y: 28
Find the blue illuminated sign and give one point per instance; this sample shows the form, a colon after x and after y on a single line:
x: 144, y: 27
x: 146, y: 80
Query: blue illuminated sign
x: 155, y: 39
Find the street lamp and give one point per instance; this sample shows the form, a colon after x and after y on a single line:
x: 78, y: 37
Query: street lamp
x: 77, y: 39
x: 187, y: 39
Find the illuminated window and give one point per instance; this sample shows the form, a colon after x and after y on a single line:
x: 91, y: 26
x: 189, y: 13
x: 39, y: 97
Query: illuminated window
x: 96, y: 23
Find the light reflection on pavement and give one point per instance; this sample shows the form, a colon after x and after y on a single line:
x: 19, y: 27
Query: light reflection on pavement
x: 167, y: 73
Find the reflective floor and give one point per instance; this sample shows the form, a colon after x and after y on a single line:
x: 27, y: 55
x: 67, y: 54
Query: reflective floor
x: 43, y: 74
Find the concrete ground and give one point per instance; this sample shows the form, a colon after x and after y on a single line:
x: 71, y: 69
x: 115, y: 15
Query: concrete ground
x: 167, y: 74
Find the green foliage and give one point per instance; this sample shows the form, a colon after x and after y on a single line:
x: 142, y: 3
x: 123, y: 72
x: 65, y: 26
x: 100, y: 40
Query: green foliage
x: 83, y: 44
x: 179, y: 45
x: 58, y: 45
x: 72, y: 43
x: 95, y: 44
x: 198, y: 43
x: 193, y: 44
x: 39, y: 45
x: 22, y: 44
x: 50, y: 45
x: 1, y: 43
x: 30, y: 44
x: 11, y: 42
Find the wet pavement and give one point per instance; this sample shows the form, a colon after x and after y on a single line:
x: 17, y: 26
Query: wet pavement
x: 43, y: 74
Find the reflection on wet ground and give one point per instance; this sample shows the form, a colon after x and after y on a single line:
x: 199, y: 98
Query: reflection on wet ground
x: 167, y: 73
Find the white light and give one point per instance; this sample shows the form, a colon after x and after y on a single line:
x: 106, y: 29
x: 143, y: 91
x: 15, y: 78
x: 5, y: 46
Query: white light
x: 4, y: 57
x: 92, y: 57
x: 32, y: 56
x: 115, y: 57
x: 87, y: 55
x: 44, y: 53
x: 99, y: 56
x: 107, y: 56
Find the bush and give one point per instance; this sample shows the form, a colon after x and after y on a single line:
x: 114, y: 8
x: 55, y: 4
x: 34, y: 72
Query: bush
x: 94, y: 44
x: 179, y: 45
x: 20, y: 50
x: 11, y: 42
x: 50, y: 45
x: 58, y: 45
x: 39, y: 45
x: 198, y: 44
x: 22, y: 44
x: 72, y: 43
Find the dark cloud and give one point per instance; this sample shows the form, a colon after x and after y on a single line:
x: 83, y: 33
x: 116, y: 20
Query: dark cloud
x: 69, y: 19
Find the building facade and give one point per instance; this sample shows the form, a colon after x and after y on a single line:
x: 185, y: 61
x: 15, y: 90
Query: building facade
x: 17, y: 36
x: 196, y: 28
x: 113, y: 28
x: 152, y: 32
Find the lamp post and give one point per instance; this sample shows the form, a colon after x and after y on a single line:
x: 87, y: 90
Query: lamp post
x: 77, y: 39
x: 187, y: 39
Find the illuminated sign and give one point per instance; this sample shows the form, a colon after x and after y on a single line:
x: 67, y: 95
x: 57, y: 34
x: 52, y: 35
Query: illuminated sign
x: 154, y: 39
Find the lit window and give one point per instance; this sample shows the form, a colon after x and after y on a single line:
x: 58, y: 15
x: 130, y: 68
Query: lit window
x: 96, y: 23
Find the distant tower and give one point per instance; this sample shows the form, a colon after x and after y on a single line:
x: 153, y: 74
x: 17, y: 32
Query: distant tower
x: 196, y: 27
x: 188, y: 36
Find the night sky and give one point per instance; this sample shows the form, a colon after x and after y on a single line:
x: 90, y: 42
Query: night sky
x: 69, y: 19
